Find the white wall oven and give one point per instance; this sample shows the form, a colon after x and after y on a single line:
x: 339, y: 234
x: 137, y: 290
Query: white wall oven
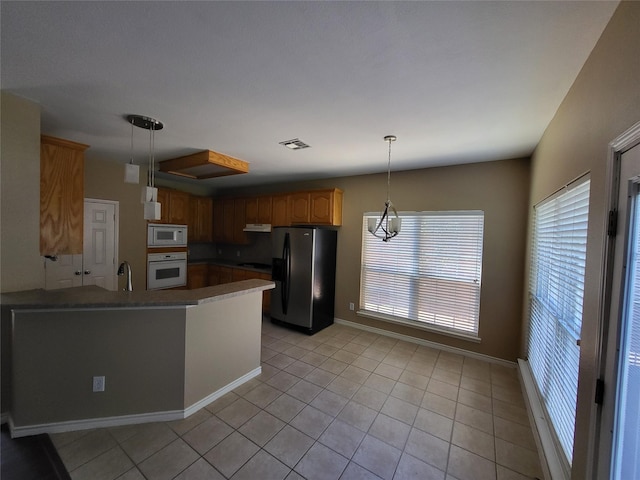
x: 166, y: 270
x: 165, y: 235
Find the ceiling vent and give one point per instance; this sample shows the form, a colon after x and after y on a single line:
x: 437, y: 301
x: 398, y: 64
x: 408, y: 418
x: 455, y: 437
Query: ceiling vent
x: 294, y: 144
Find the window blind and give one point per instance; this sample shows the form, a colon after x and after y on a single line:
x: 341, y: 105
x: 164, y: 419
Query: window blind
x: 556, y: 290
x: 430, y: 273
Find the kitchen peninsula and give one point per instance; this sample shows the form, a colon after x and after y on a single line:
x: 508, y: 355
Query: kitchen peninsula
x: 163, y: 354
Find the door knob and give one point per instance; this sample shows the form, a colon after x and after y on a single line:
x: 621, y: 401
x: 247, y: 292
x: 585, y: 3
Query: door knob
x: 87, y: 272
x: 78, y: 272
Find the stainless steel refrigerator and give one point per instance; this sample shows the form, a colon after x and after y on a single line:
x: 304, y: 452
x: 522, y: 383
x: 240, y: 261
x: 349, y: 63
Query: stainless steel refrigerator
x: 304, y: 271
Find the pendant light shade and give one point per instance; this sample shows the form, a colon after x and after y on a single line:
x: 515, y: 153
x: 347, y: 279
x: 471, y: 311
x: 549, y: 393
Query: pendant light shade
x: 387, y: 226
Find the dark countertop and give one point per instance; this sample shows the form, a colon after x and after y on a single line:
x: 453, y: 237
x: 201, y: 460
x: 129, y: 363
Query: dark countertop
x: 252, y: 266
x: 96, y: 297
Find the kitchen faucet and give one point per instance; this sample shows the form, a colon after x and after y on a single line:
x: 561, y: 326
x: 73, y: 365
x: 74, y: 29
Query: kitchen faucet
x: 124, y: 264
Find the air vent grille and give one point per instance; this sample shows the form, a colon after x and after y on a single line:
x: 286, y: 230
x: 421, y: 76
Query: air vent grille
x: 294, y: 144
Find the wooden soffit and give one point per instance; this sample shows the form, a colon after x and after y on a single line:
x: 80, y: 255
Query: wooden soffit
x: 203, y: 165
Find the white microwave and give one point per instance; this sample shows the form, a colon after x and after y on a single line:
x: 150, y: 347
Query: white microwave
x: 164, y: 235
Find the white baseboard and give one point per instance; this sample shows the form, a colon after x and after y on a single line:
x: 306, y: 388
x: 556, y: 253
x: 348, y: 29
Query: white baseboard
x: 118, y: 421
x: 553, y: 467
x: 427, y: 343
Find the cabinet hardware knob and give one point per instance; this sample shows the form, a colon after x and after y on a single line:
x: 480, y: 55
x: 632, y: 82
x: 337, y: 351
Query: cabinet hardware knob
x: 87, y: 272
x: 78, y: 272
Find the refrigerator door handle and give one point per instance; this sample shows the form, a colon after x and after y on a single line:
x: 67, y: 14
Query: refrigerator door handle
x: 286, y: 287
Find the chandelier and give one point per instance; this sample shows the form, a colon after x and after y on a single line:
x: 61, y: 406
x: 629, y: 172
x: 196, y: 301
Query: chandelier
x: 387, y: 226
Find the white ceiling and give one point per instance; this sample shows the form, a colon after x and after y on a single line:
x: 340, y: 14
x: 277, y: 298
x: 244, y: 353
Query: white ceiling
x: 457, y: 82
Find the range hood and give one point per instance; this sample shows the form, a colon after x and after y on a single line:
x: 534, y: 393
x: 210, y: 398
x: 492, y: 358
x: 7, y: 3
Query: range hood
x: 257, y: 227
x: 203, y: 165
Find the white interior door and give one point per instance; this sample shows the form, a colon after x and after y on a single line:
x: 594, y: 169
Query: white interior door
x: 619, y: 457
x: 99, y: 260
x: 64, y: 272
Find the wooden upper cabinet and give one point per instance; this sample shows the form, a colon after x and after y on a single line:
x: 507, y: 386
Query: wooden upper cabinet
x: 200, y: 219
x: 299, y: 203
x: 178, y: 207
x: 325, y: 207
x: 163, y: 200
x: 280, y: 211
x: 251, y: 210
x: 61, y: 196
x: 264, y: 209
x: 228, y: 224
x: 239, y: 221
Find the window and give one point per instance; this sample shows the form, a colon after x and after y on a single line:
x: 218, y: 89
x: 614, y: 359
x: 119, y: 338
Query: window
x: 429, y: 275
x: 556, y: 288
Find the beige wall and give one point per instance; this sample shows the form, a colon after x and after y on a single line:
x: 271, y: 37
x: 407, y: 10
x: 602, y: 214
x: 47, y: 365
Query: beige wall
x: 603, y: 102
x: 21, y: 267
x: 498, y: 188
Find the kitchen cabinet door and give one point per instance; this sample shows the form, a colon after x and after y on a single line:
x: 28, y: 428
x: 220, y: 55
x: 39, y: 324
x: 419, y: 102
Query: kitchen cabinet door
x: 251, y: 210
x: 226, y: 274
x: 214, y: 275
x: 163, y: 200
x: 178, y: 207
x: 197, y: 276
x: 325, y: 207
x: 228, y: 224
x: 218, y: 220
x: 200, y: 219
x: 61, y: 196
x: 264, y: 209
x: 280, y: 211
x: 239, y: 221
x: 300, y: 207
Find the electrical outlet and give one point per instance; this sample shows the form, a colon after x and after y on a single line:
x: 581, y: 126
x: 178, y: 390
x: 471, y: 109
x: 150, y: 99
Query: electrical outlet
x: 351, y: 306
x: 98, y: 384
x: 219, y: 251
x: 238, y: 253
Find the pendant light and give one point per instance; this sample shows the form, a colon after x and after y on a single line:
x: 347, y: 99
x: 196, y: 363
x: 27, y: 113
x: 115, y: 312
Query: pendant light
x: 131, y: 171
x: 386, y: 227
x: 152, y: 209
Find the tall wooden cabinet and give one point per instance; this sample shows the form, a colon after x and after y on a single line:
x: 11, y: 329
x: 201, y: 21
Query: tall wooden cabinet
x: 61, y: 196
x: 200, y: 219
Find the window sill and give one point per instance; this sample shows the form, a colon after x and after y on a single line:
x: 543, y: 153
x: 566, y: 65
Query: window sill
x: 418, y: 325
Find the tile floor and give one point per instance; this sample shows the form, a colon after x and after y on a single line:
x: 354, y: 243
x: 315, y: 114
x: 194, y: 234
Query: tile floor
x: 342, y: 404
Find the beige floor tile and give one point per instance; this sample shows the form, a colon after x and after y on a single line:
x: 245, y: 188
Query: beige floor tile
x: 421, y: 366
x: 345, y: 356
x: 355, y: 374
x: 398, y: 360
x: 450, y: 365
x: 510, y: 412
x: 475, y: 400
x: 343, y: 386
x: 410, y: 468
x: 267, y: 372
x: 512, y: 395
x: 200, y: 470
x: 148, y: 440
x: 475, y: 418
x: 311, y: 421
x: 230, y: 454
x: 450, y: 357
x: 168, y: 462
x: 370, y: 397
x: 434, y: 424
x: 59, y: 440
x: 107, y: 466
x: 514, y: 432
x: 465, y: 465
x: 247, y: 386
x: 388, y: 371
x: 283, y: 381
x: 385, y: 344
x: 285, y: 407
x: 280, y: 361
x: 443, y: 389
x: 380, y: 383
x: 400, y: 410
x: 439, y: 404
x: 133, y: 474
x: 320, y: 377
x: 261, y: 428
x: 483, y: 387
x: 334, y: 366
x: 313, y: 358
x: 299, y: 369
x: 446, y: 376
x: 391, y: 431
x: 428, y: 448
x: 289, y: 445
x: 356, y: 472
x: 222, y: 402
x: 373, y: 353
x: 354, y: 348
x: 87, y: 447
x: 365, y: 363
x: 262, y: 466
x: 321, y: 463
x: 262, y: 395
x: 482, y: 373
x: 358, y: 415
x: 414, y: 379
x: 329, y: 402
x: 336, y: 342
x: 407, y: 393
x: 295, y: 352
x: 518, y: 459
x: 305, y: 391
x: 378, y: 457
x: 506, y: 474
x: 327, y: 350
x: 266, y: 353
x: 474, y: 440
x: 342, y: 438
x: 207, y: 435
x: 238, y: 412
x: 183, y: 426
